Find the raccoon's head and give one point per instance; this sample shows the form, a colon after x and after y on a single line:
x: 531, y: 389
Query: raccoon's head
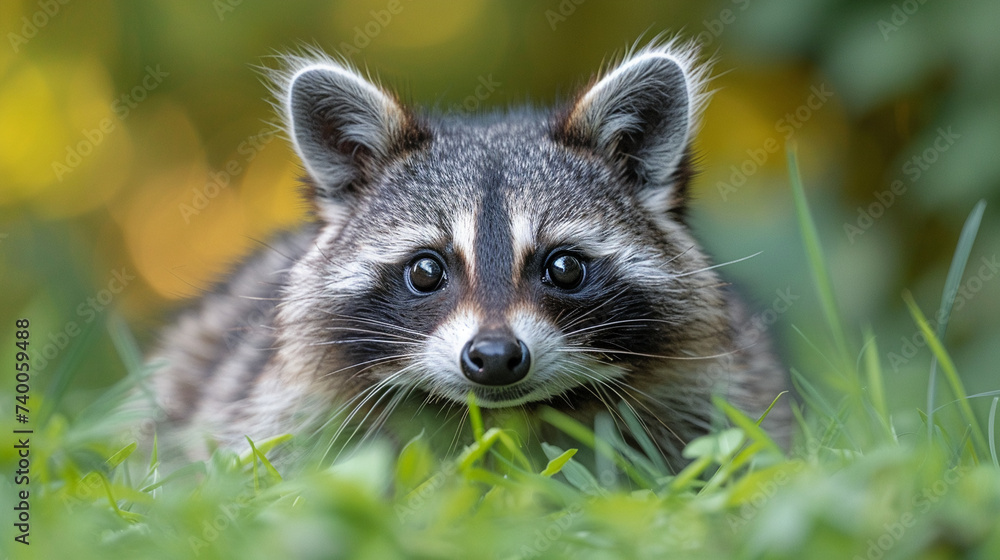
x: 524, y: 256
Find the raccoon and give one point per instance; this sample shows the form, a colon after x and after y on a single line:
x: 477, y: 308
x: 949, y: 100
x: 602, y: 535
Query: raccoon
x: 529, y: 257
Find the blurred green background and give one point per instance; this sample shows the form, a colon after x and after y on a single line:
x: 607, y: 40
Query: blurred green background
x: 136, y: 162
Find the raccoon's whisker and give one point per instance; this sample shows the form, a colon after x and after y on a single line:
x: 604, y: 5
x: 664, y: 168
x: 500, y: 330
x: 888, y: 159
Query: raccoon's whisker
x: 598, y: 386
x: 369, y: 331
x: 560, y: 314
x: 358, y: 400
x: 420, y: 407
x: 593, y: 350
x: 367, y: 393
x: 373, y: 362
x: 627, y: 400
x: 380, y: 420
x: 682, y: 412
x: 678, y: 255
x: 527, y: 422
x: 610, y: 324
x: 720, y: 265
x: 375, y: 322
x: 625, y: 387
x: 629, y: 389
x: 449, y: 409
x: 610, y: 383
x: 642, y: 422
x: 347, y: 403
x: 604, y: 389
x: 666, y: 404
x: 356, y: 340
x: 261, y: 298
x: 455, y: 438
x: 368, y: 321
x: 594, y: 387
x: 590, y: 312
x: 386, y: 383
x: 355, y: 401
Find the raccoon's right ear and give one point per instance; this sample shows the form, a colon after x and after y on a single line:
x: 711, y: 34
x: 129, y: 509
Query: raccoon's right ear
x: 640, y: 116
x: 345, y: 128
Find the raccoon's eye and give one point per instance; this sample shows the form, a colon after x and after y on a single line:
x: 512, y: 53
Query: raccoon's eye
x: 425, y: 274
x: 564, y: 270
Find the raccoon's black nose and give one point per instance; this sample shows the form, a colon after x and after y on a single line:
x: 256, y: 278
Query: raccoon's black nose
x: 495, y: 358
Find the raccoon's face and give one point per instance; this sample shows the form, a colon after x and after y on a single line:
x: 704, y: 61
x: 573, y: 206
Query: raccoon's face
x: 519, y: 257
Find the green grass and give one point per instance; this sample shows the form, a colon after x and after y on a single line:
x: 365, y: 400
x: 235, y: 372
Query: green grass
x: 853, y: 486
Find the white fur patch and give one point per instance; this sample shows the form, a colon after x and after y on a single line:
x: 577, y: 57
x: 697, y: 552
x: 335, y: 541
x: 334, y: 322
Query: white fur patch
x: 463, y: 236
x: 522, y: 234
x: 440, y: 359
x: 402, y: 243
x: 541, y: 338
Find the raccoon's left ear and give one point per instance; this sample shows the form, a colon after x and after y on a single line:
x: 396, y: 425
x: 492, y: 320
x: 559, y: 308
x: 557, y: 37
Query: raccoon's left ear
x: 641, y: 116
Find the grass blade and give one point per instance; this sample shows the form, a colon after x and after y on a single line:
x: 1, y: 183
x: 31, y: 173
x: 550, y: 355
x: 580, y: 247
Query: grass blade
x: 769, y: 407
x: 66, y: 370
x: 951, y: 283
x: 951, y: 374
x: 121, y: 455
x: 752, y: 430
x: 817, y: 262
x: 873, y: 372
x: 992, y: 432
x: 584, y: 435
x: 876, y: 386
x: 475, y: 417
x: 556, y: 465
x: 125, y: 344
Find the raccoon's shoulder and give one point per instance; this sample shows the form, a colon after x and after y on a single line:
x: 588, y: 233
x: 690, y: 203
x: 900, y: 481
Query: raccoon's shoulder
x: 228, y: 327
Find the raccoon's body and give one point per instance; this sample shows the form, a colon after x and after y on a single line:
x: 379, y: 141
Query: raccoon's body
x: 531, y: 258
